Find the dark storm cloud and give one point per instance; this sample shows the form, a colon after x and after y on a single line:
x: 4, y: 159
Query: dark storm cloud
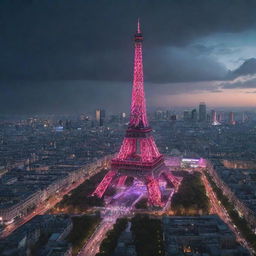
x: 92, y: 39
x: 247, y: 68
x: 220, y: 49
x: 248, y: 81
x: 83, y: 96
x: 45, y: 40
x: 242, y: 77
x: 177, y: 64
x: 63, y: 96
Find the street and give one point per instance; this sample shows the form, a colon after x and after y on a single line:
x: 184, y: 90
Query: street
x: 110, y: 215
x: 44, y: 206
x: 217, y: 208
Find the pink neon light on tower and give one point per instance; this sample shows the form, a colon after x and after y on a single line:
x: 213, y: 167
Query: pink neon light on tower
x: 138, y: 107
x: 138, y: 156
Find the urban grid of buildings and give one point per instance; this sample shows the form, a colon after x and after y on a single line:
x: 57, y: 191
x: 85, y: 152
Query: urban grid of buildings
x: 44, y: 158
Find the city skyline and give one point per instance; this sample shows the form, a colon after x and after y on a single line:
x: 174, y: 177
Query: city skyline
x: 79, y: 58
x: 112, y: 146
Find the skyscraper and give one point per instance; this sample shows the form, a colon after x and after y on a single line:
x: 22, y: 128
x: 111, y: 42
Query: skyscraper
x: 97, y: 115
x: 202, y: 112
x: 100, y: 116
x: 186, y: 115
x: 231, y: 119
x: 219, y: 117
x: 214, y: 120
x: 244, y: 117
x: 214, y: 116
x: 194, y: 115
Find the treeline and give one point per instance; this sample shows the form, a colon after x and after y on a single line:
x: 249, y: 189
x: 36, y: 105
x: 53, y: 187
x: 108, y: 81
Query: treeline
x: 80, y: 200
x: 148, y: 236
x: 83, y: 228
x: 241, y: 223
x: 109, y: 244
x: 191, y: 198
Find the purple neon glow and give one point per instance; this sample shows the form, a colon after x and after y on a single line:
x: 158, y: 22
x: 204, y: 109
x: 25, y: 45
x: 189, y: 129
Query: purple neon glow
x: 173, y: 161
x: 202, y: 163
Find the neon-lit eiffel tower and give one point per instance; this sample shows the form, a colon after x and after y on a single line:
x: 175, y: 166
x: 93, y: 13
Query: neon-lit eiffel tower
x: 138, y: 156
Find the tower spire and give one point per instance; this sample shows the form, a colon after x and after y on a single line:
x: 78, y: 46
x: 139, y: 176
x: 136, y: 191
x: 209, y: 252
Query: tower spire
x: 138, y: 116
x: 138, y: 26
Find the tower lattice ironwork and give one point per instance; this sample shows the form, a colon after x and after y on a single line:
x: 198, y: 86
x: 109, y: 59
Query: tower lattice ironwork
x: 138, y: 156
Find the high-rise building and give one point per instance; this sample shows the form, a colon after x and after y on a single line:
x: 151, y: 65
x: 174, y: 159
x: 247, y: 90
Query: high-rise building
x: 219, y: 117
x: 159, y: 115
x: 122, y: 117
x: 68, y: 124
x: 244, y: 117
x: 173, y: 117
x: 168, y: 114
x: 186, y: 115
x: 208, y: 118
x: 231, y: 119
x: 214, y: 120
x: 214, y: 116
x: 97, y: 115
x: 138, y: 156
x: 194, y: 115
x: 100, y: 116
x: 202, y: 112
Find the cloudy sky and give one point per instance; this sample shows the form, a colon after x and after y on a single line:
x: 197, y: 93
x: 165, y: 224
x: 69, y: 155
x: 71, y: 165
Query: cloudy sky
x: 66, y: 56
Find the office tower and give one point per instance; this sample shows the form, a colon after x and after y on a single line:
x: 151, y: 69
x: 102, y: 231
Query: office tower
x: 186, y: 115
x: 244, y: 117
x: 159, y: 114
x: 213, y: 116
x: 231, y: 119
x: 194, y: 115
x: 173, y: 117
x: 219, y: 117
x: 202, y: 112
x: 214, y: 120
x: 100, y: 116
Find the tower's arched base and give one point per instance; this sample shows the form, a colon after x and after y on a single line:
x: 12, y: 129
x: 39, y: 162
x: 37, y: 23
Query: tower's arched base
x: 149, y: 176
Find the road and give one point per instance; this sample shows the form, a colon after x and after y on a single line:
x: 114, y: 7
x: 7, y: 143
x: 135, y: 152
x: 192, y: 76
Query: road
x: 110, y: 215
x: 168, y: 203
x: 93, y: 244
x: 119, y: 207
x: 44, y: 206
x: 217, y: 208
x: 113, y: 211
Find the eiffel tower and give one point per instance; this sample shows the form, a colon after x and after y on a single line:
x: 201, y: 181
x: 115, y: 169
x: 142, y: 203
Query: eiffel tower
x: 138, y: 156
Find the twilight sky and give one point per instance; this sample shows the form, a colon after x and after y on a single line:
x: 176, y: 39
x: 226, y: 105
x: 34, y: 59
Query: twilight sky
x: 65, y: 56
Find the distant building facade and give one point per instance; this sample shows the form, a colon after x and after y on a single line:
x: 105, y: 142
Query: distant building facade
x: 202, y: 112
x: 200, y: 235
